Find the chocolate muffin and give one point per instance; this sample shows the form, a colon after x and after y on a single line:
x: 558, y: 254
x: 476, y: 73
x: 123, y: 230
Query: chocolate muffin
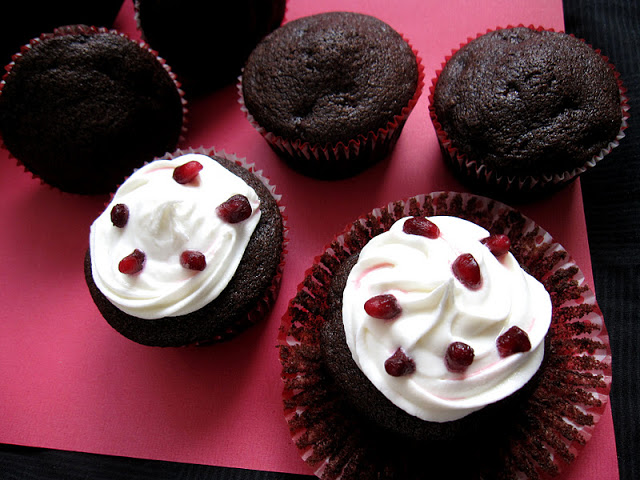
x: 82, y: 107
x: 206, y: 43
x: 523, y: 109
x: 204, y: 273
x: 330, y: 92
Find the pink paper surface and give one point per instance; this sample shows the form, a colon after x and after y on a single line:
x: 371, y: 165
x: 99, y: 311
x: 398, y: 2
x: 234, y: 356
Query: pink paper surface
x: 68, y: 381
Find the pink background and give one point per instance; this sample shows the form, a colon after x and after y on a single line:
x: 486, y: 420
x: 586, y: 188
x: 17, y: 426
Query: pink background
x: 68, y: 381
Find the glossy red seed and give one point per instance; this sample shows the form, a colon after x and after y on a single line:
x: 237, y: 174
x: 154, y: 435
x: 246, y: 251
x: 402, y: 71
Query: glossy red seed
x: 234, y: 210
x: 497, y: 244
x: 399, y: 364
x: 193, y: 260
x: 514, y: 340
x: 132, y: 263
x: 458, y: 357
x: 421, y: 226
x: 187, y: 173
x: 120, y: 215
x: 466, y: 269
x: 385, y: 307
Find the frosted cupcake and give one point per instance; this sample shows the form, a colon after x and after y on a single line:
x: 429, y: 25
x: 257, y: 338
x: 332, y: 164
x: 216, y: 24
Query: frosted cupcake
x: 189, y: 251
x: 456, y: 358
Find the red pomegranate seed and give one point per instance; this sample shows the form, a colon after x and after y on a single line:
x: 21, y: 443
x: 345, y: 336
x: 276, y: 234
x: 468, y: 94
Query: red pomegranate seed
x: 497, y: 244
x: 187, y: 172
x: 458, y: 357
x: 234, y: 210
x: 399, y: 364
x: 132, y: 263
x: 514, y: 340
x: 421, y: 226
x: 193, y: 260
x: 120, y: 215
x: 384, y: 306
x: 466, y: 269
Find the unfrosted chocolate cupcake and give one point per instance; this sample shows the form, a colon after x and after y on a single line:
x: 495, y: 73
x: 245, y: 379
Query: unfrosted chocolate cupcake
x: 331, y: 92
x: 189, y: 251
x: 342, y: 431
x: 82, y: 107
x: 207, y: 43
x: 523, y: 110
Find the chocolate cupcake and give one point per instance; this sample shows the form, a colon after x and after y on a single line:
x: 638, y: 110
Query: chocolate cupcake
x: 522, y: 110
x: 82, y: 107
x: 543, y: 421
x: 189, y: 251
x: 331, y: 92
x: 207, y: 43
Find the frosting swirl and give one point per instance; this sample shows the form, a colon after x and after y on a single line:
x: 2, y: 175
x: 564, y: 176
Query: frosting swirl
x: 167, y: 218
x: 437, y: 309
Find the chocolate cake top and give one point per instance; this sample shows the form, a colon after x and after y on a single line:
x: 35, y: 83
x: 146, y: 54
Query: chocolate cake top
x: 528, y: 101
x: 82, y: 110
x: 329, y: 77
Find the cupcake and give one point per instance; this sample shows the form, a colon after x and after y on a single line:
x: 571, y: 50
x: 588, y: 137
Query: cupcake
x: 22, y: 21
x: 400, y: 353
x: 189, y: 251
x: 206, y: 43
x: 519, y: 111
x: 82, y: 107
x: 331, y: 92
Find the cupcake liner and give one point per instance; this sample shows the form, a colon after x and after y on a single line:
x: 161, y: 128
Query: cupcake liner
x: 554, y: 420
x: 481, y: 175
x: 88, y: 30
x: 264, y: 305
x: 340, y: 160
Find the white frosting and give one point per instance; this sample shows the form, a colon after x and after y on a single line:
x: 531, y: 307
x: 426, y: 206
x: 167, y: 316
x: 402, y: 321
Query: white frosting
x: 166, y: 218
x: 437, y: 310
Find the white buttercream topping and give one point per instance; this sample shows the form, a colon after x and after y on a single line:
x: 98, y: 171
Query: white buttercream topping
x: 437, y: 310
x: 165, y: 219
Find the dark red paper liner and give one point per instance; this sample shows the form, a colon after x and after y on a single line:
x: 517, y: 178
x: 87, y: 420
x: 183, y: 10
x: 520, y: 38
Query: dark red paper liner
x: 332, y: 161
x: 263, y: 307
x: 557, y: 418
x: 529, y: 184
x: 88, y: 30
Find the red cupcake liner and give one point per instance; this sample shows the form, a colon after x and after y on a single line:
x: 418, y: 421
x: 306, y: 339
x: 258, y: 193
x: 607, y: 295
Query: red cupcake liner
x: 88, y: 30
x: 263, y: 306
x: 374, y: 145
x: 484, y: 175
x: 556, y: 419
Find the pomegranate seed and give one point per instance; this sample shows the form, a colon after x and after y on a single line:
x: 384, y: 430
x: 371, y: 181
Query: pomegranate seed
x: 187, y: 172
x: 421, y: 226
x: 399, y: 364
x: 120, y: 215
x: 466, y: 269
x: 497, y: 244
x: 234, y: 210
x: 384, y: 306
x: 514, y: 340
x: 458, y: 357
x: 193, y: 260
x: 132, y: 263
